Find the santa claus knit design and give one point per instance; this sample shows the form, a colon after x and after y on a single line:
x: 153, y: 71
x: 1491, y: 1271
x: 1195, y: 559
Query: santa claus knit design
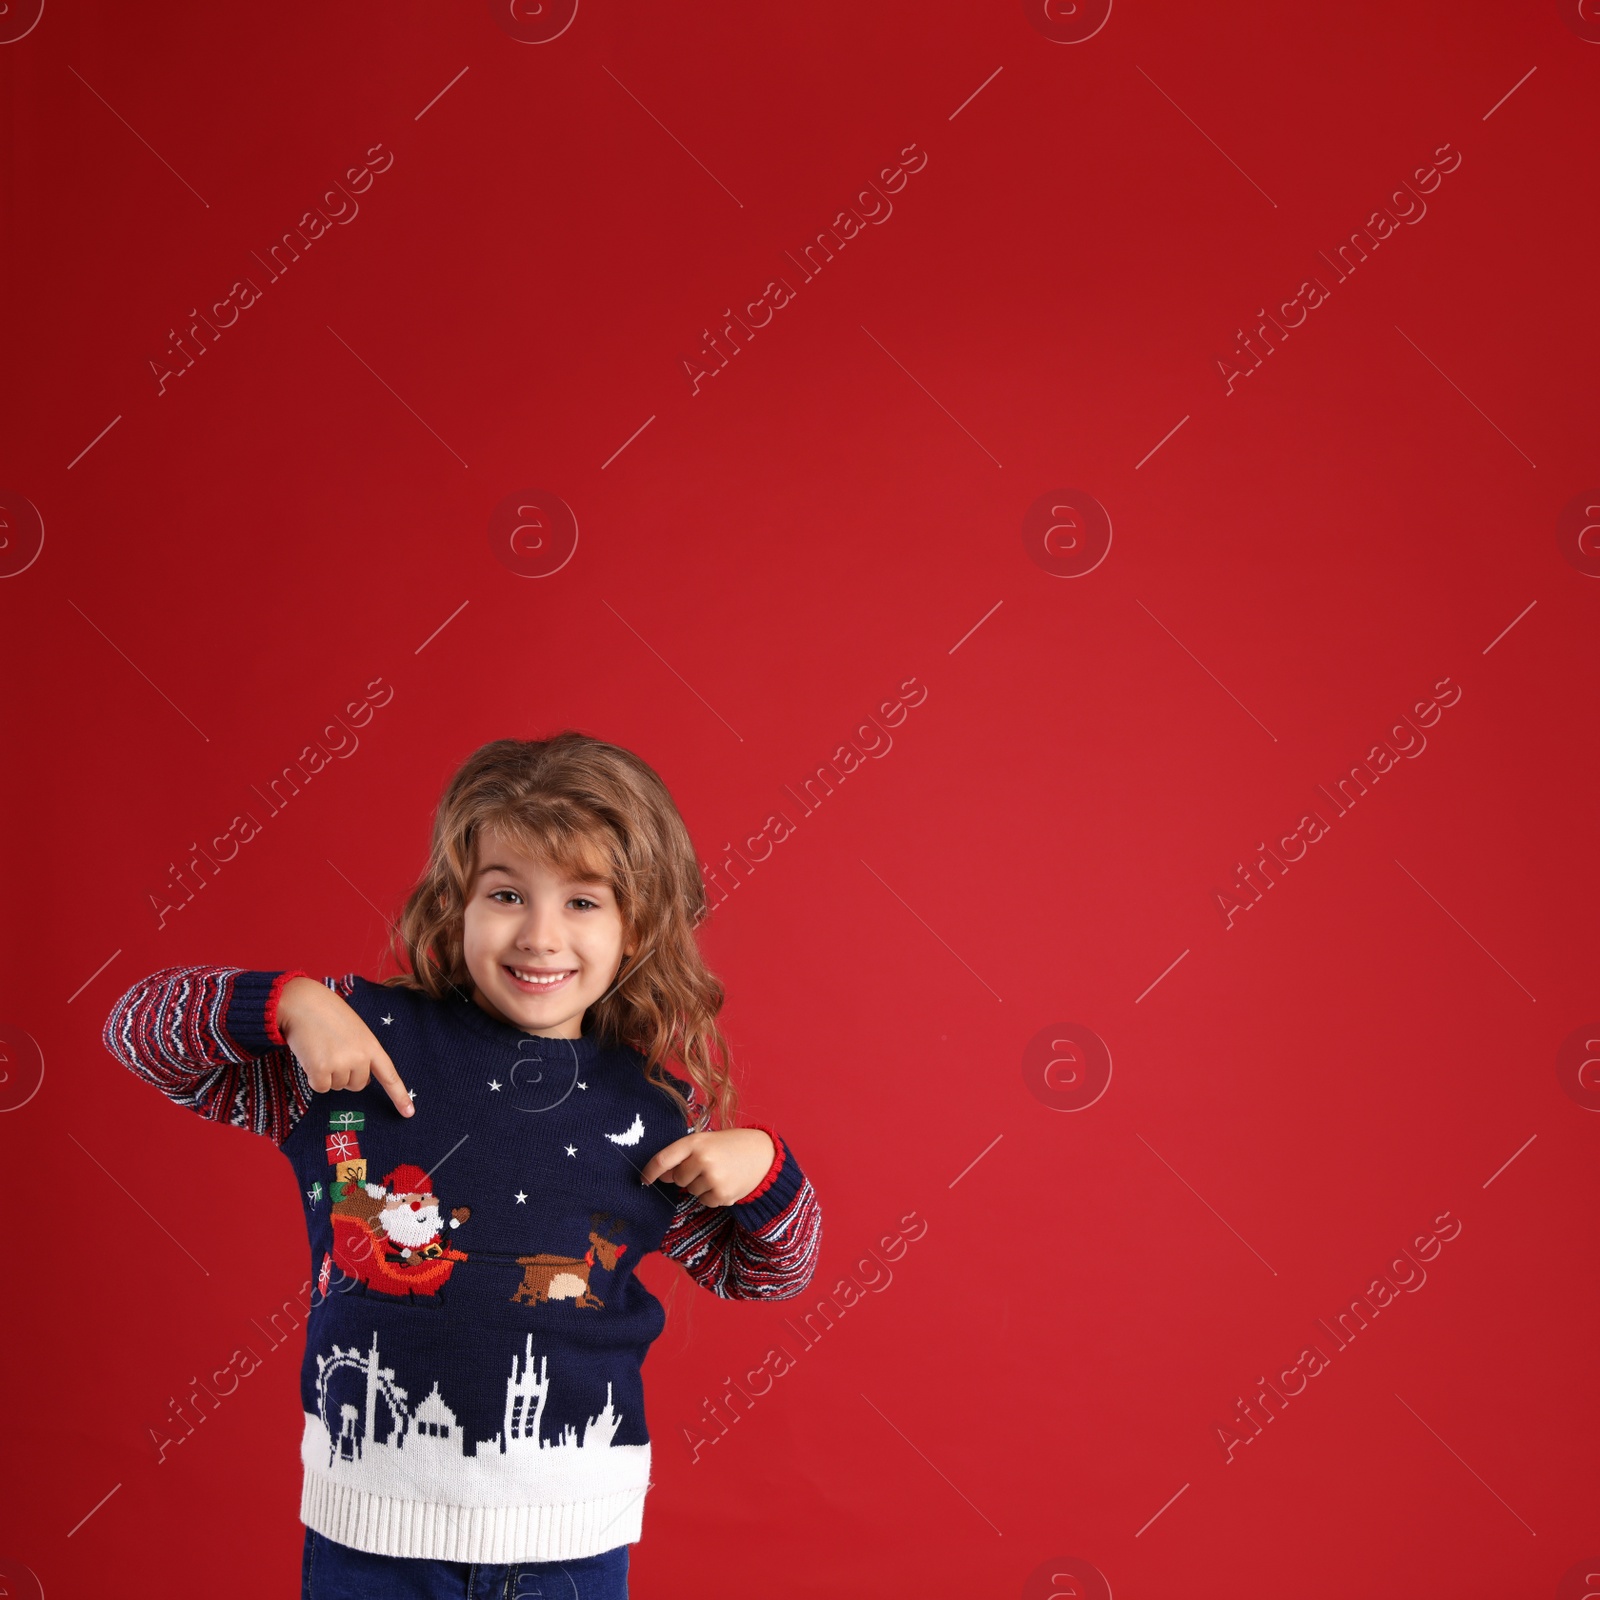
x: 472, y: 1386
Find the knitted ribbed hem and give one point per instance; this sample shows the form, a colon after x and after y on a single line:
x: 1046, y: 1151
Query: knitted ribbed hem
x: 777, y: 1191
x: 252, y: 1015
x: 274, y: 1032
x: 387, y: 1526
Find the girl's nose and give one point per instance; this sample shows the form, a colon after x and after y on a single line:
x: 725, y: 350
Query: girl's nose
x: 541, y: 931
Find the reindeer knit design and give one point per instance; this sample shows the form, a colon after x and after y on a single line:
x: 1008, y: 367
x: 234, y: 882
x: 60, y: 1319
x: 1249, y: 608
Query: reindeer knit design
x: 472, y: 1386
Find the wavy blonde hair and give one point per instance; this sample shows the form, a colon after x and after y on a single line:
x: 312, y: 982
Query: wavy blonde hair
x: 578, y: 804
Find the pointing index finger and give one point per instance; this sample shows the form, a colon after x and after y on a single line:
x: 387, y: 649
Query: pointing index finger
x: 383, y: 1069
x: 663, y: 1160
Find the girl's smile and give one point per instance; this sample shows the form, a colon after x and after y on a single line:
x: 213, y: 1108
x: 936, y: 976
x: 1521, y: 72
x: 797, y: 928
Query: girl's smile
x: 538, y: 981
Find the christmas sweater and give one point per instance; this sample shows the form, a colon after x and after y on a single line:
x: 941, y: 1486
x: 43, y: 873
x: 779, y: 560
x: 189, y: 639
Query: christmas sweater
x: 472, y: 1386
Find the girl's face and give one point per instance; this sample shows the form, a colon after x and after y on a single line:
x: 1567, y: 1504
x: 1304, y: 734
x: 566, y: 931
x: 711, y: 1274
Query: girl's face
x: 525, y: 923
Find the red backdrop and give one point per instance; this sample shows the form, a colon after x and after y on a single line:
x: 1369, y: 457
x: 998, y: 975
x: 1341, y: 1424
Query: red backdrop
x: 1017, y: 447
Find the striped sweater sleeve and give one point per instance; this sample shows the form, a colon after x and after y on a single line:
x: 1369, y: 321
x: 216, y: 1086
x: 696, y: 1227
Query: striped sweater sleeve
x: 207, y: 1037
x: 763, y: 1247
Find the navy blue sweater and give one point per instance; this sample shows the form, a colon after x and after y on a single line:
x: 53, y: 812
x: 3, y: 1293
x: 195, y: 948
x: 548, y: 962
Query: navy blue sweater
x: 472, y: 1385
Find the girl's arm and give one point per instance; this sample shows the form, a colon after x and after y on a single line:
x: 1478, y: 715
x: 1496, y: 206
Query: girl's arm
x: 763, y: 1247
x: 207, y: 1037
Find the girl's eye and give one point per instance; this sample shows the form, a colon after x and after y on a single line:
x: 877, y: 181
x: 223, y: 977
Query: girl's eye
x: 577, y: 900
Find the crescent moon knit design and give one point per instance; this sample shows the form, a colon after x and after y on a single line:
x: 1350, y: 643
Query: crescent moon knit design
x: 472, y: 1386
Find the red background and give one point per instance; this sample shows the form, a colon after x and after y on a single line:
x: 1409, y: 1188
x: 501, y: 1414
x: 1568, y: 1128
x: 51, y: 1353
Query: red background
x: 833, y: 514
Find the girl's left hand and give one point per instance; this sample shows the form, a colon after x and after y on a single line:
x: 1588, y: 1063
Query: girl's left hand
x: 717, y: 1168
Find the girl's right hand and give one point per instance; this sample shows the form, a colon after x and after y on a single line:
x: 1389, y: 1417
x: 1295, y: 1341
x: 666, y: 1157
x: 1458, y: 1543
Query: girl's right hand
x: 336, y: 1049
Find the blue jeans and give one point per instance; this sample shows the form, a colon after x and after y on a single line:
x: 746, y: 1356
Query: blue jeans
x: 331, y: 1571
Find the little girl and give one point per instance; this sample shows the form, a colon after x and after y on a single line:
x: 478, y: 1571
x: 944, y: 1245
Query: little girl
x: 485, y: 1146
